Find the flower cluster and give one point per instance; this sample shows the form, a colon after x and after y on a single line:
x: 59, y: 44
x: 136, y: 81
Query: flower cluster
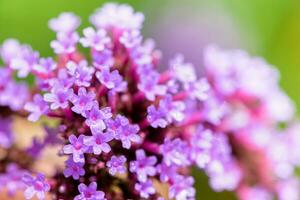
x: 126, y: 127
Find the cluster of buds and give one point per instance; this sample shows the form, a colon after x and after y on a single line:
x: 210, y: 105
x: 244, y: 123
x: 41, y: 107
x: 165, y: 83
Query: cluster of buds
x: 125, y: 128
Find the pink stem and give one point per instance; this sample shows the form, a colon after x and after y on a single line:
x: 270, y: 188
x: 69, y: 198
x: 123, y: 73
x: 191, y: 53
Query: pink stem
x: 151, y: 147
x: 193, y: 119
x: 164, y: 77
x: 180, y: 96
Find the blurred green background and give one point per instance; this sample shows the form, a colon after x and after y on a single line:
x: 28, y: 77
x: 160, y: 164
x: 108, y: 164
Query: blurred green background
x: 268, y: 28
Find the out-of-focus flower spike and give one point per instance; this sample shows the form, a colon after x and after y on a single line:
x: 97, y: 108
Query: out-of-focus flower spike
x: 66, y: 22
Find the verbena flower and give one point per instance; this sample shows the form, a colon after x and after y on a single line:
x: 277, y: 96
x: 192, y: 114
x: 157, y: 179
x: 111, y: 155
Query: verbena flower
x: 12, y: 179
x: 143, y: 166
x: 145, y: 188
x: 125, y: 132
x: 66, y: 22
x: 89, y: 192
x: 95, y: 39
x: 76, y: 147
x: 65, y: 43
x: 59, y: 97
x: 35, y: 186
x: 125, y: 128
x: 99, y: 141
x: 83, y: 102
x: 37, y: 108
x: 81, y: 73
x: 111, y: 80
x: 74, y: 169
x: 116, y: 165
x: 182, y: 188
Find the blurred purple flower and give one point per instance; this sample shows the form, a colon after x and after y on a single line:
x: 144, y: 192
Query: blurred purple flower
x: 116, y: 164
x: 35, y: 186
x: 95, y: 39
x: 37, y: 108
x: 74, y: 169
x: 143, y: 166
x: 89, y: 192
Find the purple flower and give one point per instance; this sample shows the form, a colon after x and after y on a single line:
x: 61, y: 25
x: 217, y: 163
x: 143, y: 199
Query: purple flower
x: 11, y: 180
x: 83, y: 102
x: 24, y: 62
x: 102, y: 59
x: 63, y: 79
x: 95, y: 117
x: 6, y: 136
x: 125, y: 131
x: 66, y: 22
x: 45, y: 66
x: 183, y: 72
x: 9, y: 94
x: 143, y: 166
x: 81, y: 72
x: 173, y: 109
x: 131, y: 39
x: 65, y: 43
x: 112, y: 80
x: 145, y: 188
x: 37, y: 108
x: 95, y: 39
x: 157, y: 117
x: 35, y: 186
x: 224, y: 175
x: 149, y: 85
x: 167, y: 112
x: 116, y: 164
x: 166, y: 172
x: 52, y: 138
x: 74, y: 169
x: 11, y: 48
x: 89, y: 192
x: 59, y: 97
x: 99, y: 141
x: 175, y: 152
x: 116, y: 16
x: 182, y: 188
x: 201, y: 143
x: 76, y: 147
x: 198, y: 89
x: 214, y: 109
